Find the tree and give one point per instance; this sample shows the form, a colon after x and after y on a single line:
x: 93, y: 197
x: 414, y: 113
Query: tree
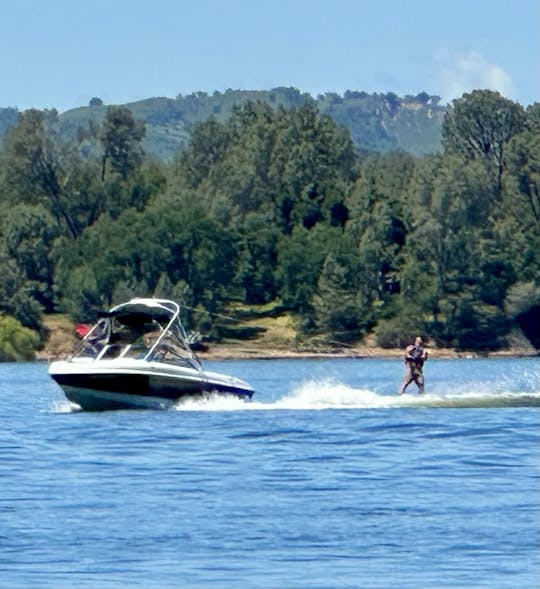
x: 208, y: 145
x: 522, y: 305
x: 33, y: 167
x: 479, y: 125
x: 523, y: 180
x: 286, y: 167
x: 337, y: 303
x: 133, y: 252
x: 17, y: 296
x: 66, y: 179
x: 454, y: 270
x: 312, y: 169
x: 518, y: 223
x: 378, y: 206
x: 28, y: 241
x: 256, y: 255
x: 121, y: 136
x: 300, y: 260
x: 17, y: 343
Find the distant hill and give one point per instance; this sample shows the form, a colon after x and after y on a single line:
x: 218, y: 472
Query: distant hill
x: 377, y: 122
x: 8, y: 117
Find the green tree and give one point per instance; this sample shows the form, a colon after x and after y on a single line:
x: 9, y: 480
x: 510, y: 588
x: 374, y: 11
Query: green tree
x: 17, y: 343
x: 378, y: 211
x: 522, y: 305
x: 479, y: 125
x: 338, y: 308
x: 287, y: 167
x: 454, y: 272
x: 17, y: 295
x: 33, y: 167
x: 256, y: 255
x: 519, y: 218
x: 208, y: 145
x: 300, y: 260
x: 29, y: 233
x: 67, y: 180
x: 312, y: 169
x: 121, y: 136
x: 133, y: 252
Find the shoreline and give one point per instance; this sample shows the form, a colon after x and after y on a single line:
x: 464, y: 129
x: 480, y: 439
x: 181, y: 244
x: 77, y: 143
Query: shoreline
x: 62, y: 341
x: 223, y: 352
x: 232, y: 352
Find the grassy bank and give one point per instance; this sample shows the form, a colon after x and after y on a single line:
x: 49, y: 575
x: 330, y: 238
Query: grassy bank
x: 269, y: 337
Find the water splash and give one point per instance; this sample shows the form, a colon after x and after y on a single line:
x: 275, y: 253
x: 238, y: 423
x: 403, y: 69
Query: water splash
x: 63, y: 407
x: 324, y: 394
x: 321, y: 395
x: 332, y: 395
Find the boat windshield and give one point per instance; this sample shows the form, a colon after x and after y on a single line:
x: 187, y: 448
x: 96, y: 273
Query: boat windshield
x: 150, y: 336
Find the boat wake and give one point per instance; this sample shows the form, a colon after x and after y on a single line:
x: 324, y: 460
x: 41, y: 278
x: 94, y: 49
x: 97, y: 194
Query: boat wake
x: 321, y: 395
x: 314, y: 395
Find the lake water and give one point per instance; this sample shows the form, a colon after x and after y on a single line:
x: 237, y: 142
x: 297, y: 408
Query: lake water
x: 326, y: 479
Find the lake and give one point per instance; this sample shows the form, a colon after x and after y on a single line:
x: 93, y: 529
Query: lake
x: 326, y: 479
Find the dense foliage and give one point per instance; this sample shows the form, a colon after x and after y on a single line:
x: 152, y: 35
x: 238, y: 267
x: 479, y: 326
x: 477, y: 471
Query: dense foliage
x: 276, y: 205
x: 17, y: 343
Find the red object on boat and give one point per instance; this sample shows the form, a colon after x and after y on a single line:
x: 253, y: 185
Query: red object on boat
x: 81, y: 329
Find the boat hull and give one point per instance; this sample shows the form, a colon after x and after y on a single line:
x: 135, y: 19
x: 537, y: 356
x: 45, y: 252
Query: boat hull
x: 110, y: 385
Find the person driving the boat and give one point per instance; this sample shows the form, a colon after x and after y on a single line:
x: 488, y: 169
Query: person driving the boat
x: 415, y: 356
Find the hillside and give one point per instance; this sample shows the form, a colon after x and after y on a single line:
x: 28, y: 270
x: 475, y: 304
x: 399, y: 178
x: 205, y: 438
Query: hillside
x: 377, y: 122
x: 275, y: 337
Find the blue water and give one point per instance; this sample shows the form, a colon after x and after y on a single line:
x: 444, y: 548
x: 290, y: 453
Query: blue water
x: 327, y: 479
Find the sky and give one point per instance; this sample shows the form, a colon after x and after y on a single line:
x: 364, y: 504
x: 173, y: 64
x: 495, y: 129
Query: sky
x: 61, y: 53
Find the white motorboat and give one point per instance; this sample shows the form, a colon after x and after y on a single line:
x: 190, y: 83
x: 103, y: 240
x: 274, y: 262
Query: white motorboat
x: 138, y: 355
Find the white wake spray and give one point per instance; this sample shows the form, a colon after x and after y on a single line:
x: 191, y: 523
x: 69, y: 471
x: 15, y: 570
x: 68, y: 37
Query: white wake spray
x: 314, y: 395
x: 326, y: 394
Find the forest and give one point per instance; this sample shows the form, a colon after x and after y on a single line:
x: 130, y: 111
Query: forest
x: 276, y: 206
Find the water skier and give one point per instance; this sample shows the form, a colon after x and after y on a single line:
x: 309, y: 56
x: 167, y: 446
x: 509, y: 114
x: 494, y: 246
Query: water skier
x: 415, y: 356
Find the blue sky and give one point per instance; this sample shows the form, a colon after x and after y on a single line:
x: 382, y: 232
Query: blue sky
x: 61, y: 53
